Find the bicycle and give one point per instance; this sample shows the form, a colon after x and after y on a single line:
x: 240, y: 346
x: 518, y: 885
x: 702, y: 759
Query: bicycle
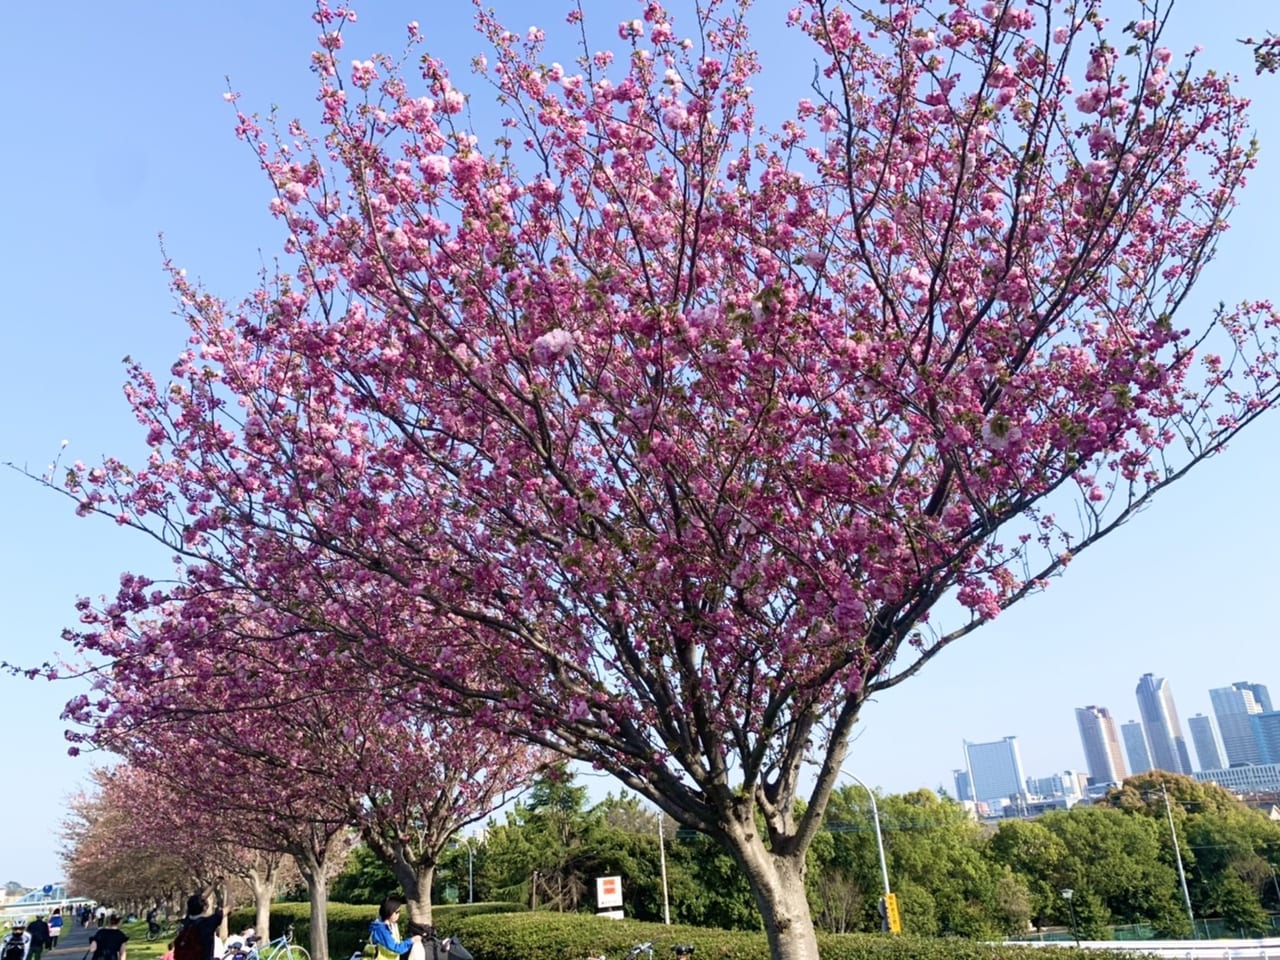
x: 161, y: 931
x: 682, y: 951
x: 281, y: 948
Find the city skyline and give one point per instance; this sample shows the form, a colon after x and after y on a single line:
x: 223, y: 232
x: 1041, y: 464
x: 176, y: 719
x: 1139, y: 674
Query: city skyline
x: 1102, y: 749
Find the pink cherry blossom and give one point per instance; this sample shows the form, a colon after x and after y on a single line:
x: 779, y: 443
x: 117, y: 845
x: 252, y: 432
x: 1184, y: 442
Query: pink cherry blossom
x: 665, y: 436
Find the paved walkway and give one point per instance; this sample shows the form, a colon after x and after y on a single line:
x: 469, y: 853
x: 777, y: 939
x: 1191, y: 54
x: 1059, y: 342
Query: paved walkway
x: 73, y: 943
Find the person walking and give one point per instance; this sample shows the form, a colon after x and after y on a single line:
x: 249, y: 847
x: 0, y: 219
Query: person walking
x: 40, y: 937
x: 55, y: 927
x: 17, y: 943
x: 108, y: 943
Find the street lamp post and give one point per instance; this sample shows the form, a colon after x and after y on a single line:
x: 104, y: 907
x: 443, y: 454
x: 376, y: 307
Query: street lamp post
x: 1069, y: 895
x: 662, y: 859
x: 471, y: 880
x: 875, y: 819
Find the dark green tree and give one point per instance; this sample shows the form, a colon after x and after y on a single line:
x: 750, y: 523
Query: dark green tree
x: 938, y: 868
x: 1124, y: 862
x: 364, y: 879
x: 1035, y: 854
x: 1224, y: 843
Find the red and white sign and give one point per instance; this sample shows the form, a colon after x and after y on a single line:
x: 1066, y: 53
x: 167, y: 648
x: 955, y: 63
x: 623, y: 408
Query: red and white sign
x: 608, y: 892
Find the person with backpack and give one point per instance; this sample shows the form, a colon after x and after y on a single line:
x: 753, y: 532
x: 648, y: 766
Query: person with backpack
x: 107, y: 943
x: 197, y: 936
x: 17, y: 943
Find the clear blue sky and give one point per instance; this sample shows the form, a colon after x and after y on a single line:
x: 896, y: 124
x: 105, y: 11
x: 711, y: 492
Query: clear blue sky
x: 115, y: 130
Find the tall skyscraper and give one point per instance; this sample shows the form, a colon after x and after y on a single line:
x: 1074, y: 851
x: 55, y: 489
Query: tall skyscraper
x: 995, y: 771
x: 1164, y: 729
x: 1266, y: 729
x: 964, y: 790
x: 1205, y: 737
x: 1101, y: 744
x: 1234, y: 706
x: 1260, y: 694
x: 1135, y: 745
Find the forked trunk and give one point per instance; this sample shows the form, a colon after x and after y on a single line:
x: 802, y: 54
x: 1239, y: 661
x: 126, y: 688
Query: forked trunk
x: 415, y: 879
x: 777, y: 884
x: 263, y: 884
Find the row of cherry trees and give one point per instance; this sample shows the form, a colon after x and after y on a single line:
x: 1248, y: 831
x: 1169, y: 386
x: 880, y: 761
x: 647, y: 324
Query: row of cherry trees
x: 655, y: 435
x: 134, y: 841
x: 293, y: 757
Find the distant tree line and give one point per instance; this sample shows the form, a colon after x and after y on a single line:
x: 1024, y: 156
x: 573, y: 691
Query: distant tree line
x: 952, y: 874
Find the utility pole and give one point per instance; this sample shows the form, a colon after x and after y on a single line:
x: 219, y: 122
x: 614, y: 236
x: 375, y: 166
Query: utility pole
x: 662, y: 859
x: 1177, y: 853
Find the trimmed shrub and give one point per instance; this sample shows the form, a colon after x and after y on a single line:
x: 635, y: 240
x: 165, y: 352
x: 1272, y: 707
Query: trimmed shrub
x: 349, y: 922
x: 579, y: 936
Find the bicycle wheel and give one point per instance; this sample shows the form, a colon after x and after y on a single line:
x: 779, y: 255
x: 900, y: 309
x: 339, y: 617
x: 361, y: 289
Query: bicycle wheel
x: 294, y: 952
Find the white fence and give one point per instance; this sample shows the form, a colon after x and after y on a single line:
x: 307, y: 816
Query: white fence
x: 1268, y: 949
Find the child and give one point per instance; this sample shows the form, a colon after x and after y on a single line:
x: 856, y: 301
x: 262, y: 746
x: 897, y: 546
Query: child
x: 168, y: 954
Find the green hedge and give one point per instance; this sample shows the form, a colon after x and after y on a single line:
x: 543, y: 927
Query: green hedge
x: 578, y: 936
x: 349, y: 922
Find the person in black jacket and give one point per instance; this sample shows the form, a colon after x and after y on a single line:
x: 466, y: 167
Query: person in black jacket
x: 40, y: 939
x: 206, y: 924
x: 108, y: 943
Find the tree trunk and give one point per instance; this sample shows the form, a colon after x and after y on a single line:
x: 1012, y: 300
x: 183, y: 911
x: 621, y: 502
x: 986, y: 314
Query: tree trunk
x: 777, y: 885
x: 415, y: 880
x: 224, y: 898
x: 317, y: 881
x: 263, y: 885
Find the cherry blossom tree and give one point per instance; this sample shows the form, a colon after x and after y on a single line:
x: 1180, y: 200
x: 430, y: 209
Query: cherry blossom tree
x: 113, y: 850
x: 182, y: 720
x: 138, y: 839
x: 665, y: 438
x: 286, y: 755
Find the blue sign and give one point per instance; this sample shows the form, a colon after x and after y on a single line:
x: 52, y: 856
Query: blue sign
x: 47, y: 889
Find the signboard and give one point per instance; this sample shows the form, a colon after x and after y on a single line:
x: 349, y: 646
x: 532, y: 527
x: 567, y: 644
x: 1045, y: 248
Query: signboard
x: 608, y: 892
x: 891, y: 913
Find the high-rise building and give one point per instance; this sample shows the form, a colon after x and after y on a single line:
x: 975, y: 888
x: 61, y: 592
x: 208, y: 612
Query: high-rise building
x: 1101, y: 744
x: 1260, y: 694
x: 964, y: 789
x: 1066, y: 784
x: 1205, y: 737
x: 1234, y: 706
x: 1164, y: 729
x: 1135, y: 746
x: 995, y: 772
x: 1266, y: 730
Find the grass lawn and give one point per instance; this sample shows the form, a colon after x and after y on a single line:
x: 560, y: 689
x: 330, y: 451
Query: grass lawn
x: 139, y: 948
